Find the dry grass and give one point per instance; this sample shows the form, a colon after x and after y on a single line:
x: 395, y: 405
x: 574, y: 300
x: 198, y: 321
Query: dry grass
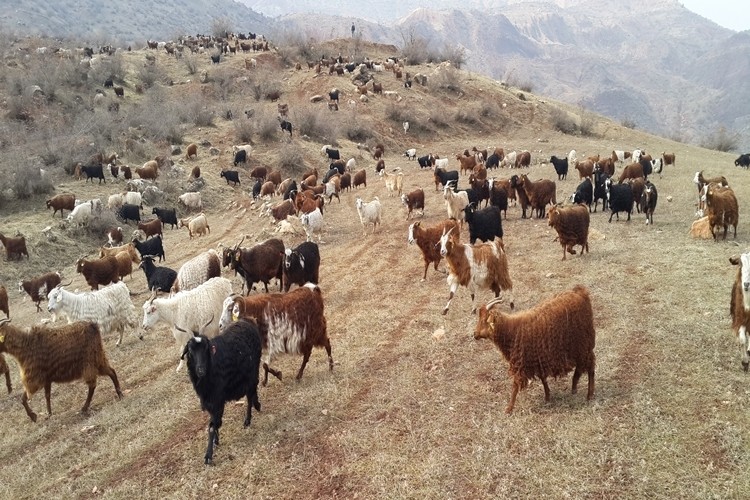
x: 407, y: 413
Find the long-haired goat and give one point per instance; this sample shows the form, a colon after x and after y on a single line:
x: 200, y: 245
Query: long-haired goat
x: 549, y: 340
x: 62, y: 354
x: 572, y: 226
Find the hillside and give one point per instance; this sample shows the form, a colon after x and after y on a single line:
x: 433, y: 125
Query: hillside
x: 414, y: 405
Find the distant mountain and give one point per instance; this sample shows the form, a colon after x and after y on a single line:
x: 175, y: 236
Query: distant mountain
x: 125, y: 22
x: 650, y: 62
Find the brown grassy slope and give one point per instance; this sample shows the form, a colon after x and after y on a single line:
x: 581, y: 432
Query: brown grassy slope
x: 414, y: 406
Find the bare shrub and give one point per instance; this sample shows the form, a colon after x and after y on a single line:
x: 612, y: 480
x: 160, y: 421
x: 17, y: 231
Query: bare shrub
x: 292, y: 161
x: 467, y: 116
x: 414, y: 48
x: 190, y: 61
x: 150, y: 74
x: 397, y: 113
x: 267, y: 125
x: 28, y: 180
x: 563, y: 121
x: 721, y: 140
x: 196, y: 110
x: 586, y: 123
x: 438, y: 117
x: 109, y: 67
x: 628, y: 123
x: 314, y: 122
x: 244, y: 130
x: 158, y: 117
x: 355, y: 128
x: 101, y: 222
x: 221, y: 26
x: 455, y: 54
x: 447, y: 78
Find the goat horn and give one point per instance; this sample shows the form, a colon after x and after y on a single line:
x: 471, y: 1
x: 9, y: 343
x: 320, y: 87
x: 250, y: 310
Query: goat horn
x: 67, y: 284
x: 493, y: 303
x: 4, y: 320
x: 180, y: 329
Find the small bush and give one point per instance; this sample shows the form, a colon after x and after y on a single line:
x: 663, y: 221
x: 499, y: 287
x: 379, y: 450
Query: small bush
x: 563, y: 121
x: 221, y: 26
x: 455, y: 54
x: 28, y: 180
x: 243, y: 130
x: 414, y: 49
x: 100, y: 223
x: 314, y: 122
x: 721, y: 140
x: 292, y: 161
x: 396, y: 113
x: 438, y: 117
x: 268, y: 126
x: 628, y: 123
x: 467, y: 116
x: 190, y: 61
x: 355, y: 128
x: 447, y: 78
x: 150, y: 74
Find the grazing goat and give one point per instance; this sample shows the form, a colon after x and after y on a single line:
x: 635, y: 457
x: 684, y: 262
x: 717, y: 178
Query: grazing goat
x: 290, y: 323
x: 523, y: 199
x: 197, y: 226
x: 301, y: 265
x: 191, y: 200
x: 428, y: 241
x: 549, y: 340
x: 443, y: 177
x: 62, y: 202
x: 166, y: 215
x: 455, y: 203
x: 153, y: 246
x: 648, y: 202
x: 572, y: 226
x: 619, y: 198
x: 475, y: 267
x: 99, y: 272
x: 193, y: 309
x: 225, y: 368
x: 312, y: 222
x: 584, y: 194
x: 158, y: 278
x: 4, y: 301
x: 63, y: 354
x: 38, y: 287
x: 110, y: 307
x: 14, y: 246
x: 540, y: 194
x: 413, y: 201
x: 485, y: 224
x: 739, y: 306
x: 197, y: 271
x: 561, y: 167
x: 723, y: 210
x: 393, y: 182
x: 369, y: 213
x: 260, y: 263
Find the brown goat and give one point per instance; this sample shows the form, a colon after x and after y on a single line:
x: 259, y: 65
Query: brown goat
x: 572, y: 226
x: 124, y: 265
x: 151, y: 228
x: 359, y: 178
x: 98, y: 272
x: 14, y: 246
x: 585, y: 168
x: 549, y: 340
x: 304, y: 325
x: 282, y: 210
x: 149, y: 170
x: 723, y: 210
x: 196, y: 172
x: 4, y: 301
x: 428, y: 241
x: 62, y: 202
x: 39, y: 286
x: 540, y: 193
x: 192, y: 150
x: 62, y: 354
x: 4, y: 370
x: 523, y: 159
x: 632, y: 171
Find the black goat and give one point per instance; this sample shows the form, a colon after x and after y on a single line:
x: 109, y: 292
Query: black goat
x: 499, y: 198
x: 152, y: 246
x: 223, y: 369
x: 231, y: 175
x: 620, y: 198
x: 166, y: 215
x: 286, y: 126
x: 128, y: 211
x: 333, y: 154
x: 240, y: 157
x: 301, y: 265
x: 584, y: 193
x: 561, y: 167
x: 484, y: 224
x: 94, y: 172
x: 160, y: 279
x: 648, y: 202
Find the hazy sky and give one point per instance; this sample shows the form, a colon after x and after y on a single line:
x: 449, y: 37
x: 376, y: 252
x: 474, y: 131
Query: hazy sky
x: 732, y: 14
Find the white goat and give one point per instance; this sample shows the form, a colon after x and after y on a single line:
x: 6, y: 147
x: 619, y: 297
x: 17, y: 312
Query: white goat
x: 369, y: 213
x: 312, y: 223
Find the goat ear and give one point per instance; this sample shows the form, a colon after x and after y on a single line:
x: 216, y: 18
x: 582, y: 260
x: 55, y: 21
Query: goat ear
x: 184, y: 351
x: 735, y: 261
